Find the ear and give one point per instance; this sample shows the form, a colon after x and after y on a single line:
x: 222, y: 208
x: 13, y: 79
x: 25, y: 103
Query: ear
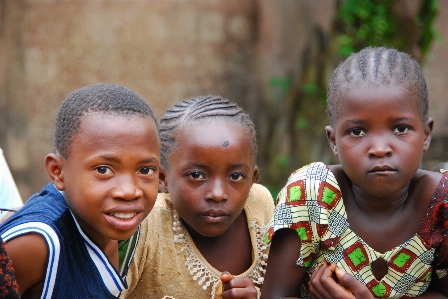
x: 428, y: 133
x: 163, y: 182
x: 256, y: 175
x: 53, y: 166
x: 331, y: 139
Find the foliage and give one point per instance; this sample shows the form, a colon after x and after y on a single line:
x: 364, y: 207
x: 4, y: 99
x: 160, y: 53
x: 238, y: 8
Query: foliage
x: 293, y: 133
x: 361, y: 23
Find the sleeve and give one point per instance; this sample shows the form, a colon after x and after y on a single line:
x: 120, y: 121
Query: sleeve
x: 310, y: 204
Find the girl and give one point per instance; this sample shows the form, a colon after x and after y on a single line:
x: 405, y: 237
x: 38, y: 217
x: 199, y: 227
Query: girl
x: 375, y: 225
x: 210, y: 216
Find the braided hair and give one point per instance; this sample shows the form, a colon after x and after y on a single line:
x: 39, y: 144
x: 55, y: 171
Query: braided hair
x: 374, y: 66
x: 198, y: 109
x: 107, y: 98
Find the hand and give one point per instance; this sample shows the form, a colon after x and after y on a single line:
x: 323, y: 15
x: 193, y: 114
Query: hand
x: 237, y: 287
x: 322, y: 285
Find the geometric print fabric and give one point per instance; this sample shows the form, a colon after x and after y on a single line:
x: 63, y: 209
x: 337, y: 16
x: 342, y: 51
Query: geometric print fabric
x: 312, y: 205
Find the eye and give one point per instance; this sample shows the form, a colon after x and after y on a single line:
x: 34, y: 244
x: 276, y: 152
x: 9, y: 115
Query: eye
x: 196, y: 175
x: 147, y: 170
x: 401, y: 129
x: 103, y: 170
x: 357, y: 132
x: 237, y: 176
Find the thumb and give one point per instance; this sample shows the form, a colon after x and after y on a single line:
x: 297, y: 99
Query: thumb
x: 352, y: 284
x: 226, y: 277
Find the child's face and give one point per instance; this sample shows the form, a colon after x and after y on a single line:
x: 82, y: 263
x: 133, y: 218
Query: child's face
x: 111, y: 176
x: 379, y: 137
x: 211, y: 171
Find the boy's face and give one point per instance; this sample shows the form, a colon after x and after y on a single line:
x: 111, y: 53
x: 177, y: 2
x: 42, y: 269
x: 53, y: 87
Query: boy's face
x: 210, y: 173
x: 379, y: 137
x: 110, y: 178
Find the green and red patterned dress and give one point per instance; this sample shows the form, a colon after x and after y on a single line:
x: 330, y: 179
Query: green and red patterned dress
x: 311, y: 204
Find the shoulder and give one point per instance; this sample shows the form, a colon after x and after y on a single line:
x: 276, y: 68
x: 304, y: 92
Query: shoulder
x: 260, y: 204
x: 157, y: 224
x: 44, y: 208
x: 259, y: 193
x: 305, y: 184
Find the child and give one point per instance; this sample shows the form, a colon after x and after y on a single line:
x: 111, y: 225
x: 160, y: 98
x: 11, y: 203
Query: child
x: 211, y: 215
x: 376, y: 223
x: 104, y: 181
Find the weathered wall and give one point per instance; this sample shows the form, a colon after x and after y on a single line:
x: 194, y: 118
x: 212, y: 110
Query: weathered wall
x: 164, y: 50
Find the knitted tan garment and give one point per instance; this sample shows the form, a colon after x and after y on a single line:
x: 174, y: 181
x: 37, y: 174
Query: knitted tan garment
x: 167, y: 263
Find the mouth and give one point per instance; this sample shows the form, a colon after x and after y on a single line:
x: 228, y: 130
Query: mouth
x: 124, y: 221
x: 383, y: 169
x: 214, y: 215
x: 124, y: 215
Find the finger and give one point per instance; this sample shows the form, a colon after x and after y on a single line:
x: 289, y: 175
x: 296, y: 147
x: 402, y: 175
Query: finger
x: 316, y: 288
x: 241, y: 282
x: 226, y: 277
x: 240, y: 293
x: 358, y: 289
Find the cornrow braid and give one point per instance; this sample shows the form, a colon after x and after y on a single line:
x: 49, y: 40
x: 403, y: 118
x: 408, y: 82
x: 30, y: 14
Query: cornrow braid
x: 199, y: 109
x: 108, y: 98
x: 374, y: 66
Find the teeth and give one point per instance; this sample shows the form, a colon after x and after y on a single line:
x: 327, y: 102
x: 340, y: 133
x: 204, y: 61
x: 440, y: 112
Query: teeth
x: 124, y: 215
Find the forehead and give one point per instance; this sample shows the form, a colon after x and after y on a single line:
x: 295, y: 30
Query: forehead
x: 212, y: 131
x: 214, y: 134
x: 100, y: 127
x: 376, y: 101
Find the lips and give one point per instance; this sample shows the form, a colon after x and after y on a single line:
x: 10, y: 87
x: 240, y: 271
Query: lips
x: 214, y: 215
x: 382, y: 169
x: 124, y: 217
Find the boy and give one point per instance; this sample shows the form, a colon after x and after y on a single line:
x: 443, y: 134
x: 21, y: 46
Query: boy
x: 104, y: 181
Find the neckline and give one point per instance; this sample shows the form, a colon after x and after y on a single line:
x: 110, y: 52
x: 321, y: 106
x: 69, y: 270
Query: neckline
x: 416, y: 234
x: 188, y: 241
x: 199, y: 268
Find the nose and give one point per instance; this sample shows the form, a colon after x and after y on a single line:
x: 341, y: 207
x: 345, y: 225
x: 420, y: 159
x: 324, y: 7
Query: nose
x: 127, y: 188
x: 218, y: 191
x: 379, y: 147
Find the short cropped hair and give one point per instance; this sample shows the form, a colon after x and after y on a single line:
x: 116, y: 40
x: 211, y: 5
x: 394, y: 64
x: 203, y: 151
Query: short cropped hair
x: 107, y: 98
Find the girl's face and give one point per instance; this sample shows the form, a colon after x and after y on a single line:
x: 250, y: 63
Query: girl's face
x: 210, y: 173
x: 379, y: 137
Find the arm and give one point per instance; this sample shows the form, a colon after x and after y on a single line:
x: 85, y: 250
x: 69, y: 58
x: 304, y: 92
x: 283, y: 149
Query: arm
x: 237, y: 287
x: 28, y: 254
x: 283, y: 276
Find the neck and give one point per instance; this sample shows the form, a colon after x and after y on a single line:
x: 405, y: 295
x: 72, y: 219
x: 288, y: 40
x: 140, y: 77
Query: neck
x: 369, y: 204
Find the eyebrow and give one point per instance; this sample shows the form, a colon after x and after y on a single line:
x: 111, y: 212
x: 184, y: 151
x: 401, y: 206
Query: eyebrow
x: 360, y: 120
x: 353, y: 121
x: 205, y: 165
x: 114, y: 159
